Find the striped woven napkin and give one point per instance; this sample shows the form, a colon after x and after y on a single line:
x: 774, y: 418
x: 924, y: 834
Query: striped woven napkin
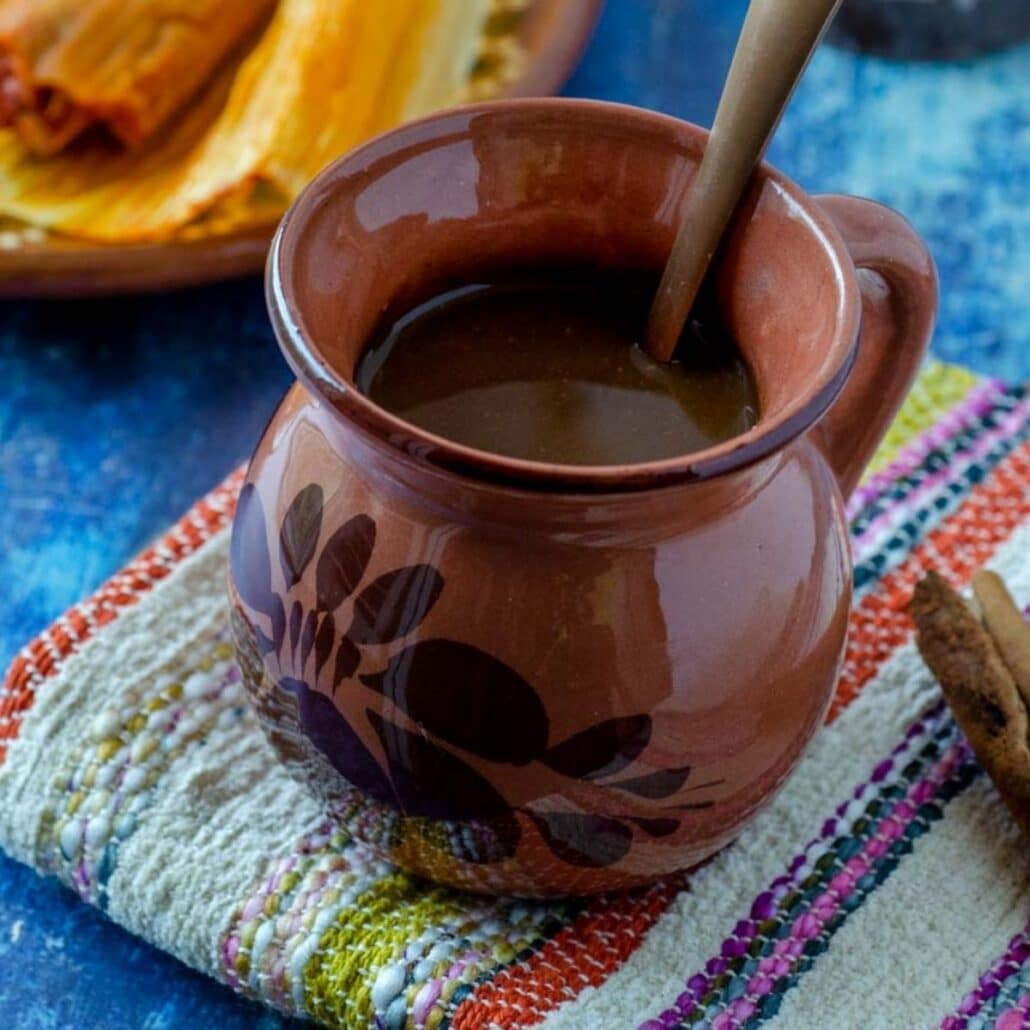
x: 885, y: 886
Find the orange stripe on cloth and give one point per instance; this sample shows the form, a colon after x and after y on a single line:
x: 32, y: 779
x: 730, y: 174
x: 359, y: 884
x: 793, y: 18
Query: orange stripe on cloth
x: 584, y: 954
x: 589, y: 950
x: 879, y: 623
x: 44, y: 656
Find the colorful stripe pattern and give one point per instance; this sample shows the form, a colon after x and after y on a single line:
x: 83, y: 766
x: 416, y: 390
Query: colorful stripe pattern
x: 1001, y: 998
x: 98, y: 799
x: 331, y: 932
x: 956, y: 547
x: 936, y: 487
x: 932, y: 480
x: 938, y: 393
x: 582, y: 955
x: 334, y: 933
x: 330, y: 913
x: 792, y: 923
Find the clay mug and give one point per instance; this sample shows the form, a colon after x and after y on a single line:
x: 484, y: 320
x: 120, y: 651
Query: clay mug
x: 536, y: 679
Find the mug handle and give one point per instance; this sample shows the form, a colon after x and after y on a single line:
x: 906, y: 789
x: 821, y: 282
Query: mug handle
x: 898, y: 282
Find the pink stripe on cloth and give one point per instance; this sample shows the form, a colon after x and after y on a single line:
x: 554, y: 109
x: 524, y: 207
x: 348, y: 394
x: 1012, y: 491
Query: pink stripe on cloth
x: 990, y: 983
x: 976, y: 402
x: 1006, y: 429
x: 1016, y: 1018
x: 791, y: 922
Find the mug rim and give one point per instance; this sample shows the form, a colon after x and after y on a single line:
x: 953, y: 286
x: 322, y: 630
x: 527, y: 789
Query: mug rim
x: 768, y: 436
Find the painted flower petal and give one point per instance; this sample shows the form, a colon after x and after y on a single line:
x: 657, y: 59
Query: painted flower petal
x: 307, y: 636
x: 584, y: 840
x: 296, y: 616
x: 265, y: 644
x: 277, y: 616
x: 324, y: 640
x: 298, y: 536
x: 601, y: 750
x: 433, y: 783
x: 466, y: 697
x: 394, y: 604
x: 348, y: 658
x: 343, y: 561
x: 657, y: 827
x: 656, y: 785
x: 334, y: 737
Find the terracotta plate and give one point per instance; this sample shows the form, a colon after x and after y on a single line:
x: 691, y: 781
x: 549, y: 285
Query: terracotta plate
x: 552, y: 34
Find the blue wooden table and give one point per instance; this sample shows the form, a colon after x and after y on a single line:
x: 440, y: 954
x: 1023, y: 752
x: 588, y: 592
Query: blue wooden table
x: 115, y: 414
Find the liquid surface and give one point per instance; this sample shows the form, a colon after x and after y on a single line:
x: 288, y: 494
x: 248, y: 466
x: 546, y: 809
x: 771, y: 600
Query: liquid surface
x: 552, y: 370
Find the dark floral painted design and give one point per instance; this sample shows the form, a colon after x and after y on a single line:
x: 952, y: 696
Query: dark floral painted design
x: 454, y: 693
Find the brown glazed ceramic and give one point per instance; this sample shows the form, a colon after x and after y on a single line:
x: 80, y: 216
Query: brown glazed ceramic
x: 536, y: 679
x: 550, y: 36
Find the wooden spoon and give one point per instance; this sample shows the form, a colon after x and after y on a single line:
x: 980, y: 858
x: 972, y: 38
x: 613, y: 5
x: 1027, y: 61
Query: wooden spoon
x: 775, y: 44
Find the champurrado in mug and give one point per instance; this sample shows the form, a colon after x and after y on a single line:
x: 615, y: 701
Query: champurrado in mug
x: 546, y: 365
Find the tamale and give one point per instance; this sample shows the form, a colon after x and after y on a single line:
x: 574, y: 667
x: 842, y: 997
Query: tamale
x: 325, y: 75
x: 129, y: 65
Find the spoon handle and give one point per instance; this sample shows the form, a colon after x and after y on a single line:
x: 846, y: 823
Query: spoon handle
x: 775, y: 44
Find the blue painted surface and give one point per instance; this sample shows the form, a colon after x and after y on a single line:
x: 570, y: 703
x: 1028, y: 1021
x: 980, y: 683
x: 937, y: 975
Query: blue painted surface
x: 114, y: 415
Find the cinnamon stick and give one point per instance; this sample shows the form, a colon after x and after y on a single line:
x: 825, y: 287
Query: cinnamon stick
x: 979, y: 686
x: 1008, y: 627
